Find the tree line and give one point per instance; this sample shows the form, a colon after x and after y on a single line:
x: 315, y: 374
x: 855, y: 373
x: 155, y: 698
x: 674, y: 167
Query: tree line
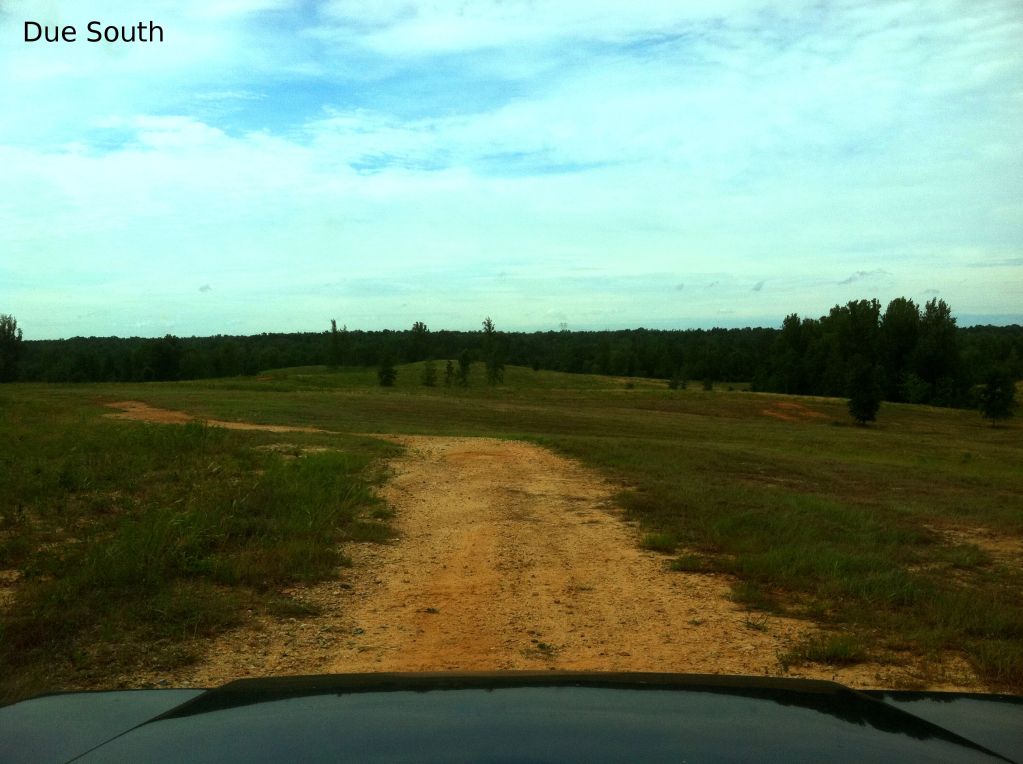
x: 912, y: 353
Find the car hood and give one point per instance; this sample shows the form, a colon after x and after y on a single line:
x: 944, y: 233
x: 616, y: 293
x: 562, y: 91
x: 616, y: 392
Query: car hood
x: 527, y: 716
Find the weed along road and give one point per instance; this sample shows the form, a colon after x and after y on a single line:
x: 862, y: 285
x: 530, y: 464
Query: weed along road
x: 508, y: 557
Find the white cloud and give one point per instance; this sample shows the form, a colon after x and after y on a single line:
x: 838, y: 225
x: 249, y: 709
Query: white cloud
x: 394, y: 27
x: 755, y: 144
x: 218, y: 9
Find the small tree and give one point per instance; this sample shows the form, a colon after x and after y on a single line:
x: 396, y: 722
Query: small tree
x: 419, y: 339
x: 429, y: 375
x: 449, y: 373
x: 387, y: 374
x: 464, y: 366
x: 998, y: 396
x: 334, y: 349
x: 493, y: 355
x: 864, y: 391
x: 10, y: 348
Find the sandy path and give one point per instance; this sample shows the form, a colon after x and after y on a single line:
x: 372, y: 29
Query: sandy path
x: 526, y: 564
x: 512, y: 557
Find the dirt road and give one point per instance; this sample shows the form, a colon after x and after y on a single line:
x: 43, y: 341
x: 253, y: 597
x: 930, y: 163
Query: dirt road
x: 512, y: 557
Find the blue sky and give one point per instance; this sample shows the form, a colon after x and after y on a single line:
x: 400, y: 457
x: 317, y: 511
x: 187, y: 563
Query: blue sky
x: 277, y: 163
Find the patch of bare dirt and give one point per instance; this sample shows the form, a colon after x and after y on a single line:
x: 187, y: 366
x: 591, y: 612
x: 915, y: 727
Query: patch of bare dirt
x: 512, y: 557
x: 792, y: 412
x: 139, y: 411
x: 1002, y: 547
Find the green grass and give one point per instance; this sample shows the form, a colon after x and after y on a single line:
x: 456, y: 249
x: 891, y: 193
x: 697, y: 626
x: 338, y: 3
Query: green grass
x: 693, y: 563
x: 829, y: 649
x: 134, y: 540
x: 659, y: 542
x: 814, y: 516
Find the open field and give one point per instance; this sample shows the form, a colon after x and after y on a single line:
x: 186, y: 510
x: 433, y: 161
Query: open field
x: 125, y: 547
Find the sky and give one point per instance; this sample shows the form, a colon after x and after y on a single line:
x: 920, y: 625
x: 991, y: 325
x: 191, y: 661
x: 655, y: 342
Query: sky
x: 273, y: 164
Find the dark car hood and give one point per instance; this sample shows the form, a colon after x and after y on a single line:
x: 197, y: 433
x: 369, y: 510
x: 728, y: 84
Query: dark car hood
x: 514, y: 717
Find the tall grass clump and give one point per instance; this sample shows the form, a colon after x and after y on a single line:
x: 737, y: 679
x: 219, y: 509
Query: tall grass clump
x: 830, y: 649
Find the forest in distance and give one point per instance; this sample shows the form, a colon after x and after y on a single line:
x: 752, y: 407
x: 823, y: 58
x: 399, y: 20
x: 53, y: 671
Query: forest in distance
x: 912, y: 353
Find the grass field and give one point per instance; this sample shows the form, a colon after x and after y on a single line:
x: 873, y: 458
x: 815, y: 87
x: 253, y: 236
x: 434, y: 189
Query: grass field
x: 129, y: 540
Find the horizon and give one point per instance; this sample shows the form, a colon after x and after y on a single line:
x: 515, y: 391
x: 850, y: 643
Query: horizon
x: 279, y: 162
x: 500, y: 329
